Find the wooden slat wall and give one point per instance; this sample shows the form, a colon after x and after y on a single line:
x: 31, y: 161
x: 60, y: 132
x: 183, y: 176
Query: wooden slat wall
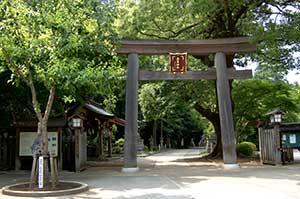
x: 269, y: 143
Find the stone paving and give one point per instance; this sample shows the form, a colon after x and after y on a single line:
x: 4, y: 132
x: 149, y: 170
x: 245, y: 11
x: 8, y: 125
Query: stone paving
x: 168, y: 176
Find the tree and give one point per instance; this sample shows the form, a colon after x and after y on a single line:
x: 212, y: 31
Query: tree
x: 160, y: 101
x: 203, y: 19
x: 254, y: 98
x: 66, y: 46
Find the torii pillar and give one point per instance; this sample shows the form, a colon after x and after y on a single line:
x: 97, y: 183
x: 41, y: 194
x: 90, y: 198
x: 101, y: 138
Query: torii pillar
x: 131, y: 114
x: 225, y: 113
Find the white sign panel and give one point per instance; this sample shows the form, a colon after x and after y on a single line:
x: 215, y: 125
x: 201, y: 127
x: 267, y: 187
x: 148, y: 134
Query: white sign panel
x: 293, y: 138
x: 27, y: 139
x: 41, y: 172
x: 284, y: 137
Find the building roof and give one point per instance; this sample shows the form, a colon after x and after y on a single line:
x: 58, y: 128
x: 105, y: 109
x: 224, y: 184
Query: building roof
x: 275, y: 111
x: 94, y: 107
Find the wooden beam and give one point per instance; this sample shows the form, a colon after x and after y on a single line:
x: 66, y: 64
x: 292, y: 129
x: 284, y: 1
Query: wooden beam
x: 193, y: 47
x: 193, y: 75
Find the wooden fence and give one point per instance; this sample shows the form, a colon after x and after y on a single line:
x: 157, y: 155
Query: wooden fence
x: 269, y: 146
x: 7, y: 149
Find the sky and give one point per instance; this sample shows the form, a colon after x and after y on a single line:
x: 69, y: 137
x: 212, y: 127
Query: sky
x: 292, y: 77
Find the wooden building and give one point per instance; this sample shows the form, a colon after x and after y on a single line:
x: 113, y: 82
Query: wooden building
x: 69, y: 136
x: 277, y: 140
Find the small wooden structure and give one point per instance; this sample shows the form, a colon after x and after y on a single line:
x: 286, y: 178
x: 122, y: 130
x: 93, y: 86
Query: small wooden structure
x: 277, y: 142
x: 95, y: 122
x: 68, y: 143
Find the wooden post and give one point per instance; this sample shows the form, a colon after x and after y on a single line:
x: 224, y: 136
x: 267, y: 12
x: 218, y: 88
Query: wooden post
x: 60, y: 146
x: 131, y: 114
x: 154, y: 134
x: 110, y: 142
x: 225, y: 112
x: 101, y: 144
x: 1, y: 144
x: 33, y: 174
x: 77, y: 148
x: 277, y: 145
x: 53, y: 170
x: 17, y: 157
x: 161, y: 135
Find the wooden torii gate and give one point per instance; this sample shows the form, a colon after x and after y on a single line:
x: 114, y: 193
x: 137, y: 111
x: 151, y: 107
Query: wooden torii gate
x: 219, y: 47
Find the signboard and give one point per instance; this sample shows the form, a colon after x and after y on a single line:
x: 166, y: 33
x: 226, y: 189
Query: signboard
x: 290, y: 139
x: 178, y: 62
x: 41, y: 172
x: 27, y: 139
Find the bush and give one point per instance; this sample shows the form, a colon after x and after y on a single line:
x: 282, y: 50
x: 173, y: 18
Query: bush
x: 146, y: 149
x: 117, y: 150
x: 246, y: 148
x: 120, y: 142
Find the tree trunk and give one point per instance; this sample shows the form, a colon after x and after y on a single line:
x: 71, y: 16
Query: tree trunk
x: 154, y: 133
x: 214, y: 118
x: 40, y: 146
x: 218, y: 150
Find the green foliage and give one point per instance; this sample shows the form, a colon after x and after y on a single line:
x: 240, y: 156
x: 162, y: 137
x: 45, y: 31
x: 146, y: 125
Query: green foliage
x: 120, y: 142
x: 254, y: 98
x: 277, y: 42
x: 67, y: 44
x: 117, y: 150
x: 146, y: 149
x: 273, y: 26
x: 246, y: 148
x: 118, y: 146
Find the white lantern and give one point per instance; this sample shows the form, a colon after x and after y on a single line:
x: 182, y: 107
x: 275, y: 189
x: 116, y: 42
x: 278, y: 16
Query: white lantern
x: 275, y: 116
x: 76, y: 122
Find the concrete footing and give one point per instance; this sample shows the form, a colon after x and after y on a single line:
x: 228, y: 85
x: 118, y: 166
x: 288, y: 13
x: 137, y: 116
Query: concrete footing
x: 12, y: 190
x: 130, y: 170
x: 231, y: 166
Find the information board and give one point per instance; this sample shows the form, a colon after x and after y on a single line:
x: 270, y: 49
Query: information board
x: 27, y: 139
x: 290, y: 139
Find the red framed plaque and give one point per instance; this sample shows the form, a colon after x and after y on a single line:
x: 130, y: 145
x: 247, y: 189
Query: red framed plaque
x: 178, y: 62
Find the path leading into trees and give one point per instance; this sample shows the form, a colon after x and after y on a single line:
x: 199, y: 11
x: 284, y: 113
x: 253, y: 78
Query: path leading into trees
x: 176, y: 174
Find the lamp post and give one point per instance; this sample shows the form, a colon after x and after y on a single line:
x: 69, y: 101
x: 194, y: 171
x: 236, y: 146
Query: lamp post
x: 77, y: 124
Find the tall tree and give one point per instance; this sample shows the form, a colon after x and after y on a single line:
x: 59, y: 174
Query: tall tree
x: 202, y: 19
x: 67, y: 46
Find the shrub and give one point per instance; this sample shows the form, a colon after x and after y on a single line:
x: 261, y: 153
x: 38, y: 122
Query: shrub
x: 146, y: 149
x: 117, y: 150
x: 246, y: 148
x: 120, y: 142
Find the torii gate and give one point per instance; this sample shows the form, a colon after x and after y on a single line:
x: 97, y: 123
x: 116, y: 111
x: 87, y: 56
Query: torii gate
x: 219, y: 47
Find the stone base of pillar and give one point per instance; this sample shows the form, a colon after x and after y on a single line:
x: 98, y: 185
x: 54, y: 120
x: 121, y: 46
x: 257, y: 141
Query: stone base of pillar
x: 130, y: 170
x: 231, y: 166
